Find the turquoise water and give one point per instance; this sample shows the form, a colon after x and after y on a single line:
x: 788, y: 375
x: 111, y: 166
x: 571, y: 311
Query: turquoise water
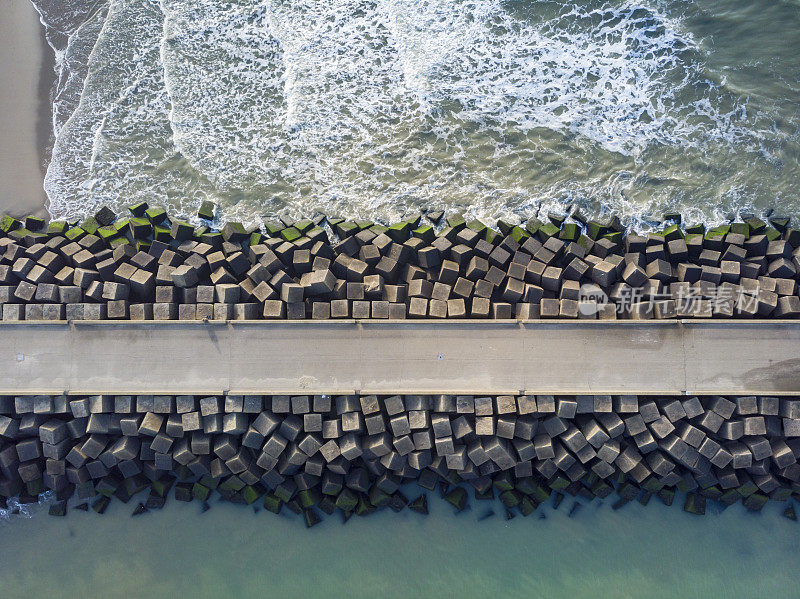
x: 229, y: 551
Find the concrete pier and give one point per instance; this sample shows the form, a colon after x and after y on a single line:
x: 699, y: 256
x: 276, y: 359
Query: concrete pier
x: 669, y: 357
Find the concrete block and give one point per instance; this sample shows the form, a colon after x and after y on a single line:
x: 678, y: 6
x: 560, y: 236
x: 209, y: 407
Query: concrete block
x: 437, y: 309
x: 379, y: 309
x: 13, y: 312
x: 151, y: 424
x: 140, y: 311
x: 117, y: 309
x: 34, y: 312
x: 502, y: 311
x: 53, y: 312
x: 165, y: 311
x: 247, y: 311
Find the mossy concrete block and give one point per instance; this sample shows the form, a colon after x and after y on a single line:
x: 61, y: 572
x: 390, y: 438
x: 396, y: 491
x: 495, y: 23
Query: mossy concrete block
x: 457, y: 497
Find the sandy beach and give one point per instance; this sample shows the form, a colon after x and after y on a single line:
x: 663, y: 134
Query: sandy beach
x: 26, y: 76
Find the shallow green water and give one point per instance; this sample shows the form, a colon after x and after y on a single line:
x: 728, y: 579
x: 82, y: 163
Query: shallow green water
x: 639, y: 552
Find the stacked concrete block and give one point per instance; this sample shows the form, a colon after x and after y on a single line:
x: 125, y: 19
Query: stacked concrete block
x: 331, y: 268
x: 341, y: 452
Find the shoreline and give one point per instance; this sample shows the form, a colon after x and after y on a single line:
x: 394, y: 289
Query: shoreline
x: 26, y: 78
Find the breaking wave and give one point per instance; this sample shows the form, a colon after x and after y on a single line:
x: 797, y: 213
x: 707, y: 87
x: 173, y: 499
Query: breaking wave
x: 381, y: 108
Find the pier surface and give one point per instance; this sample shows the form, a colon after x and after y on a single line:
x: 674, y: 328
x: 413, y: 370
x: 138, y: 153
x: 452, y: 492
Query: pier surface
x: 262, y: 357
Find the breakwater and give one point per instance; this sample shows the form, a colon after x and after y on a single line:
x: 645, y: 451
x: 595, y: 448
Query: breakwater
x: 147, y: 266
x: 320, y: 454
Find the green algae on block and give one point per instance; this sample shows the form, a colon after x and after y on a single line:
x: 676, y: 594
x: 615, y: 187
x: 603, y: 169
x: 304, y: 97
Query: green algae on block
x: 755, y: 502
x: 364, y: 507
x: 556, y: 219
x: 504, y: 226
x: 780, y: 222
x: 34, y: 223
x: 519, y: 234
x: 414, y: 222
x: 510, y: 498
x: 569, y: 232
x: 207, y: 210
x: 251, y: 494
x: 399, y: 232
x: 162, y: 233
x: 200, y: 492
x: 425, y: 233
x: 477, y: 226
x: 456, y: 222
x: 318, y: 234
x: 138, y: 209
x: 19, y: 235
x: 9, y: 223
x: 140, y: 228
x: 181, y: 231
x: 308, y: 497
x: 347, y: 500
x: 364, y: 224
x: 756, y: 225
x: 272, y: 228
x: 90, y: 225
x: 740, y: 229
x: 272, y: 503
x: 345, y: 229
x: 672, y: 233
x: 595, y: 230
x: 527, y: 506
x: 378, y: 228
x: 118, y: 241
x: 377, y: 497
x: 310, y: 517
x: 546, y: 231
x: 213, y: 239
x: 303, y: 225
x: 57, y: 227
x: 533, y: 225
x: 290, y: 234
x: 156, y: 215
x: 695, y: 504
x: 457, y: 497
x: 106, y: 233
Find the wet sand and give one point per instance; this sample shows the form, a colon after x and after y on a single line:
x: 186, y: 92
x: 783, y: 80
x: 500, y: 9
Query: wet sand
x: 26, y: 76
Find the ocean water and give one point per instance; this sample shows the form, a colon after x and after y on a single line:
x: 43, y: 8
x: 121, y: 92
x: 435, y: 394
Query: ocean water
x: 382, y: 108
x: 648, y: 552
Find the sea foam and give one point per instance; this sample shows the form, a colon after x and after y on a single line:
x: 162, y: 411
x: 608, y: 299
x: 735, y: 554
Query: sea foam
x: 382, y: 108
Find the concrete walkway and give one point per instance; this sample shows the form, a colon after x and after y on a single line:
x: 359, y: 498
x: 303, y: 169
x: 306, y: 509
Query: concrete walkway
x: 263, y: 357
